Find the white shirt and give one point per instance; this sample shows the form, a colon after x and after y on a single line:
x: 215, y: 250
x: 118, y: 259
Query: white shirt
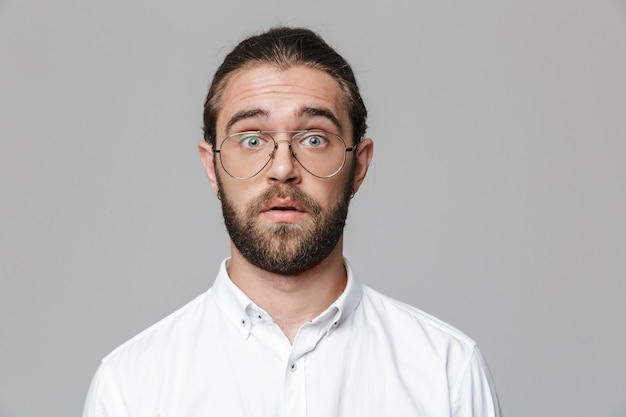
x: 366, y: 355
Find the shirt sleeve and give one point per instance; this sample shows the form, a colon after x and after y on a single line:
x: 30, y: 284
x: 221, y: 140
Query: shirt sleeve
x: 475, y: 393
x: 103, y: 398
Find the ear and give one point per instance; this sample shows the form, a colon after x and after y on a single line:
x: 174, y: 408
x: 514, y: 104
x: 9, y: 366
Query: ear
x: 364, y: 154
x: 208, y: 160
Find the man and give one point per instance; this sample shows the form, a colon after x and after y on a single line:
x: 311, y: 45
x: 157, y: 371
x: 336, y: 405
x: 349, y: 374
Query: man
x: 287, y: 329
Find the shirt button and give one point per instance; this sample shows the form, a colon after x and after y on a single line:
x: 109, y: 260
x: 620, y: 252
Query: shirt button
x: 243, y: 322
x: 293, y: 367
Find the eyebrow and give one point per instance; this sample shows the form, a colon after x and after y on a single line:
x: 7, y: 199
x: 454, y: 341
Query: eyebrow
x: 323, y: 112
x: 245, y: 114
x: 303, y: 112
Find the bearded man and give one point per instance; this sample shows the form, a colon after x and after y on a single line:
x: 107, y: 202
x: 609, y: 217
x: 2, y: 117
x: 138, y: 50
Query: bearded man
x: 287, y: 329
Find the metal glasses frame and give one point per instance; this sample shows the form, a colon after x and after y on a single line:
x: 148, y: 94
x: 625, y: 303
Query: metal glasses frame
x: 289, y: 142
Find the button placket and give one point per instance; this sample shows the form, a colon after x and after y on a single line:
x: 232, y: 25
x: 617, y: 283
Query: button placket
x: 294, y: 397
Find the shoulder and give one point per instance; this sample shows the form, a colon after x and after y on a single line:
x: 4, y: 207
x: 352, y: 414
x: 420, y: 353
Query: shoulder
x: 426, y: 345
x: 412, y: 325
x: 137, y: 367
x: 169, y: 333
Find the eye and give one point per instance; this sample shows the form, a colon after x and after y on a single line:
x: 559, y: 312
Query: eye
x: 314, y: 140
x: 251, y: 140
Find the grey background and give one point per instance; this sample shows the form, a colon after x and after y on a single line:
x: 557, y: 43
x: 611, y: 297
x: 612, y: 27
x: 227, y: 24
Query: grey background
x: 495, y: 201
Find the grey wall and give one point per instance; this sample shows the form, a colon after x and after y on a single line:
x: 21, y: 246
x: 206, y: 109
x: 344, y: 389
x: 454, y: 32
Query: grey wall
x: 496, y: 199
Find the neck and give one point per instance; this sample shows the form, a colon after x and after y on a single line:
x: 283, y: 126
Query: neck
x: 294, y: 299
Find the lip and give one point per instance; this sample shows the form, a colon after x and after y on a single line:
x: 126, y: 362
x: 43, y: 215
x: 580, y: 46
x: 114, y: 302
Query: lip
x: 283, y: 204
x: 283, y: 210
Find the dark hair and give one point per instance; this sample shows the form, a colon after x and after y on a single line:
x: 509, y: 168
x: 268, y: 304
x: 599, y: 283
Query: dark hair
x: 285, y: 47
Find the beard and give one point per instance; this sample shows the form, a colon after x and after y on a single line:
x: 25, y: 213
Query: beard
x: 286, y: 248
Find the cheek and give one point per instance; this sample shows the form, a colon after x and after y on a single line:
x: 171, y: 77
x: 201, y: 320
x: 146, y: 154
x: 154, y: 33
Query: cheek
x: 240, y: 194
x: 328, y: 194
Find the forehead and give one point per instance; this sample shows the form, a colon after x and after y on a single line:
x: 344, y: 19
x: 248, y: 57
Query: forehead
x: 280, y: 95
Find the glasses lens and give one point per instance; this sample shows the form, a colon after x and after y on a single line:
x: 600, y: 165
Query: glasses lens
x: 321, y: 153
x: 243, y: 155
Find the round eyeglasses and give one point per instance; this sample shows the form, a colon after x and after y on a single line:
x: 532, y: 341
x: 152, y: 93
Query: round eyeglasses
x: 322, y: 154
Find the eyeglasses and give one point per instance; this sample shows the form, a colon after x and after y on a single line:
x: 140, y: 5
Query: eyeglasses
x: 322, y: 154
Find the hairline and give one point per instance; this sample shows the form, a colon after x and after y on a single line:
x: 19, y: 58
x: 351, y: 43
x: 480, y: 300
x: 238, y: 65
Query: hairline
x: 220, y: 87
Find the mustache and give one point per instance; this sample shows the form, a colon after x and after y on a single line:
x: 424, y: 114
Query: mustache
x: 285, y: 191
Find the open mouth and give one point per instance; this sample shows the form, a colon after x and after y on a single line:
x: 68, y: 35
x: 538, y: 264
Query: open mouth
x: 284, y: 210
x: 284, y: 204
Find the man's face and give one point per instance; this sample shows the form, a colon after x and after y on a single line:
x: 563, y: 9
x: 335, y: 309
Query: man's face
x: 284, y: 220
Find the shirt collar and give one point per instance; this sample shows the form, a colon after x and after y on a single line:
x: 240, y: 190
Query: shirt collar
x: 240, y: 310
x: 233, y: 302
x: 347, y: 302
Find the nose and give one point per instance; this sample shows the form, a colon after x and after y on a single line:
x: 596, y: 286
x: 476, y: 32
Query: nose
x: 283, y: 166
